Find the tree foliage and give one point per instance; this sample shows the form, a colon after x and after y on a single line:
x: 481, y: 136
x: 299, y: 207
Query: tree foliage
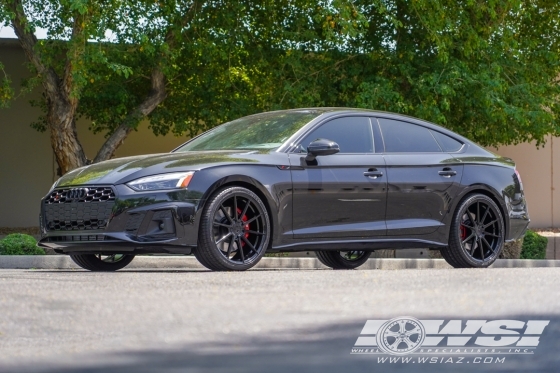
x: 485, y: 68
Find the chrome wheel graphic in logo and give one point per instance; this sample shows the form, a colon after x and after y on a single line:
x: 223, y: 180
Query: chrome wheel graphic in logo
x: 401, y: 336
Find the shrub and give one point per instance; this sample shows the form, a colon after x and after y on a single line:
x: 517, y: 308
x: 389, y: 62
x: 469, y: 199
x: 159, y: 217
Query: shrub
x: 534, y: 246
x: 20, y: 244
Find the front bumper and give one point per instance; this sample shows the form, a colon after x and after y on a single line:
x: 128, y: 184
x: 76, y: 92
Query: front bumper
x: 134, y: 222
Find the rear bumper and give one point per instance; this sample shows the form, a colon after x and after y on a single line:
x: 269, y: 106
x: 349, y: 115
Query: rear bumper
x: 162, y: 222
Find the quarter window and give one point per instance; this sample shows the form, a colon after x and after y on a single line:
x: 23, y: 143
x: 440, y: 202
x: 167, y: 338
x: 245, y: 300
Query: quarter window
x: 352, y: 134
x: 403, y: 137
x: 447, y: 143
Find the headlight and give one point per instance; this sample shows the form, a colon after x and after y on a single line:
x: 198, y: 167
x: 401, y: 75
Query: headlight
x: 164, y: 181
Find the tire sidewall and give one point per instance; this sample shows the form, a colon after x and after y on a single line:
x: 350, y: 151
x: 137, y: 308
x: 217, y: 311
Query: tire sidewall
x: 465, y: 256
x: 208, y: 217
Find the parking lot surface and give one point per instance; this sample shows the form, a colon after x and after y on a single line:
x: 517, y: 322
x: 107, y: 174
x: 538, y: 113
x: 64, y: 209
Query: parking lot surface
x: 255, y: 321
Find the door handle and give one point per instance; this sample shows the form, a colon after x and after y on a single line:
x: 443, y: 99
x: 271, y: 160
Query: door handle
x: 447, y: 172
x: 373, y: 173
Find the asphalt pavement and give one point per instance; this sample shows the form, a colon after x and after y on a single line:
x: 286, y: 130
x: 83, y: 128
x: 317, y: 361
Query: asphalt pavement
x: 263, y: 320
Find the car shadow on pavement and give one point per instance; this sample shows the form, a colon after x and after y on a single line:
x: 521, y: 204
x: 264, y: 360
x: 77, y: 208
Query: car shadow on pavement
x: 324, y: 350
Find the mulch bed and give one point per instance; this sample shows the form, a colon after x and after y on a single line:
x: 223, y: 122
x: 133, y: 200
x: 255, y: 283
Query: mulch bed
x: 33, y: 231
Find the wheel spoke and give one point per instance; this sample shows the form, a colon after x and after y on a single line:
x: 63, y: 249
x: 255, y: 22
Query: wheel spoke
x: 489, y: 224
x: 230, y: 246
x: 255, y: 232
x: 224, y: 211
x: 245, y: 208
x: 478, y: 212
x: 481, y: 249
x: 235, y: 217
x: 471, y: 217
x: 240, y: 248
x: 407, y: 341
x: 253, y: 219
x: 492, y: 235
x: 413, y: 331
x: 487, y: 244
x: 467, y: 226
x: 223, y: 238
x: 249, y: 244
x: 468, y: 238
x: 222, y: 224
x: 485, y: 214
x: 402, y: 325
x: 473, y: 243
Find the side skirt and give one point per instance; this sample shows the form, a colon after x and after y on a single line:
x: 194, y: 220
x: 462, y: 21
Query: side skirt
x: 365, y: 245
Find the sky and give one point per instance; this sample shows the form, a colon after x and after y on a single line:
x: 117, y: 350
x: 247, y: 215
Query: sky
x: 8, y: 32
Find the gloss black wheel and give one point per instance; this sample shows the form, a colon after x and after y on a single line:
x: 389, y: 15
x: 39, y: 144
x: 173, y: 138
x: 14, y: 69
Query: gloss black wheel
x: 234, y: 231
x: 344, y: 259
x: 477, y: 233
x: 100, y: 262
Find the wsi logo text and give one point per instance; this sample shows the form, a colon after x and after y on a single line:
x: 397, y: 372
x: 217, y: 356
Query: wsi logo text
x: 406, y: 335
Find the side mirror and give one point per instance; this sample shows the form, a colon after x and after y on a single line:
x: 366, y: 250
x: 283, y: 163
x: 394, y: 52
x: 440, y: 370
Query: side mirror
x: 321, y: 147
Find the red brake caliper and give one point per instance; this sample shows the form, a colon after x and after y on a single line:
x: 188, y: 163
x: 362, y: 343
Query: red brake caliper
x: 246, y: 227
x: 463, y: 231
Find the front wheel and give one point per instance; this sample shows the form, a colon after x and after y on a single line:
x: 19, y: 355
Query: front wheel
x: 102, y: 263
x: 234, y: 230
x: 343, y: 259
x: 477, y: 233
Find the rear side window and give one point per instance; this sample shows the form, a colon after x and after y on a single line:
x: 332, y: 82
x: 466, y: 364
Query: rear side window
x: 352, y: 134
x: 447, y: 143
x: 403, y: 137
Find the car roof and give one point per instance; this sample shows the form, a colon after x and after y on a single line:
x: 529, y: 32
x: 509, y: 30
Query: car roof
x: 332, y: 111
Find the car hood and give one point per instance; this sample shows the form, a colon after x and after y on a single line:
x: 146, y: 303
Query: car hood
x: 121, y: 170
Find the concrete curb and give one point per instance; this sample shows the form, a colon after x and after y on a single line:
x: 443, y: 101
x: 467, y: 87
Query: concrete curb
x: 189, y: 262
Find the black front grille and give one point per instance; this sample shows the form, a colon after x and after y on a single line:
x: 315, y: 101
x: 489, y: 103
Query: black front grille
x: 79, y: 238
x: 73, y: 209
x: 69, y: 195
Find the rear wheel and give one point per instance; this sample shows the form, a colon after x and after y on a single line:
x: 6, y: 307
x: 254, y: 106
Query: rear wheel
x: 343, y: 259
x: 234, y: 230
x: 98, y: 262
x: 477, y: 233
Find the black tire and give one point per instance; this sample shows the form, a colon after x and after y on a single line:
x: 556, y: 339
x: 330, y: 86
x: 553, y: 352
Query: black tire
x: 97, y: 262
x: 341, y: 259
x: 476, y: 237
x: 230, y: 241
x: 448, y: 258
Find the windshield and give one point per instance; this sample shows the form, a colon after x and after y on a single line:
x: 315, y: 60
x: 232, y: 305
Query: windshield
x: 263, y: 131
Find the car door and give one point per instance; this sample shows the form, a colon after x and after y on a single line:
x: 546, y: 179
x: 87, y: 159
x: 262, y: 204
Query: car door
x: 344, y: 194
x: 420, y: 177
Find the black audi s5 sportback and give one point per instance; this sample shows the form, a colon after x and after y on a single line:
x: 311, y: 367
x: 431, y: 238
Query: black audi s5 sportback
x: 340, y: 182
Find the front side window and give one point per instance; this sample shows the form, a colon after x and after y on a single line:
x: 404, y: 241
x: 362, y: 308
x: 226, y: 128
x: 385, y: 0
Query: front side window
x: 403, y: 137
x: 352, y: 134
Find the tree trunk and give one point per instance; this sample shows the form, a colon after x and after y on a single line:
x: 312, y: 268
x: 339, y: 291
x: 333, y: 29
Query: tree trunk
x: 61, y: 106
x: 61, y: 93
x: 156, y: 96
x: 68, y: 150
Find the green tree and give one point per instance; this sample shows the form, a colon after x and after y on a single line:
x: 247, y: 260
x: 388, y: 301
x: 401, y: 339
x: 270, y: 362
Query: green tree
x: 116, y: 62
x: 486, y: 69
